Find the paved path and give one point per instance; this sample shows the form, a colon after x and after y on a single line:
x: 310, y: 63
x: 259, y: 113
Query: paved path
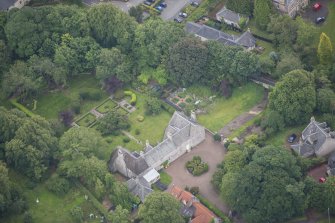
x: 211, y: 152
x: 227, y: 130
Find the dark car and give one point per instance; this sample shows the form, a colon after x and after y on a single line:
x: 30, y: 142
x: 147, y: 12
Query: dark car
x: 320, y: 20
x: 195, y: 4
x: 291, y: 138
x: 178, y: 19
x: 163, y: 5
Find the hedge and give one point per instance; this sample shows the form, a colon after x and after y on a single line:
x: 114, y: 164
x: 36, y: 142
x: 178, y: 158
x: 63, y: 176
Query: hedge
x: 214, y: 209
x: 21, y: 107
x: 133, y: 97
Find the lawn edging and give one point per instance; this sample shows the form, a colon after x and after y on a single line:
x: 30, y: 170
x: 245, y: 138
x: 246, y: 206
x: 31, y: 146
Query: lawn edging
x: 214, y: 209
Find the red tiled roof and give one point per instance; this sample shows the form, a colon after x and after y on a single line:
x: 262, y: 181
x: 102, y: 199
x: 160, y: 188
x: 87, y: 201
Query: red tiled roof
x: 202, y: 214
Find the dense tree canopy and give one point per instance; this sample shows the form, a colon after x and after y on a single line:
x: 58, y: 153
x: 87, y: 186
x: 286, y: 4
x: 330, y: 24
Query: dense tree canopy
x: 325, y: 50
x: 262, y: 13
x: 160, y: 207
x: 241, y: 6
x: 268, y: 189
x: 294, y: 97
x: 187, y: 61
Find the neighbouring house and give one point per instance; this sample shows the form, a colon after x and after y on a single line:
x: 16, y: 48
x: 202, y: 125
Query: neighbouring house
x: 316, y: 139
x: 181, y: 135
x: 247, y: 40
x: 290, y: 7
x: 230, y: 17
x: 192, y: 208
x: 331, y: 165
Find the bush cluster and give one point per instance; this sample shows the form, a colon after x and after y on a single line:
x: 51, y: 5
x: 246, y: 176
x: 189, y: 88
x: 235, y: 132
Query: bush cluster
x: 133, y: 97
x: 196, y: 167
x: 58, y: 185
x: 87, y: 95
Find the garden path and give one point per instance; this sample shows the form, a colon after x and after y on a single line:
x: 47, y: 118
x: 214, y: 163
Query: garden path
x: 228, y: 129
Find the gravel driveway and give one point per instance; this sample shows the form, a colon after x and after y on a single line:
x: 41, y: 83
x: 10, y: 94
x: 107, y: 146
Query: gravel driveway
x: 211, y: 152
x: 311, y: 15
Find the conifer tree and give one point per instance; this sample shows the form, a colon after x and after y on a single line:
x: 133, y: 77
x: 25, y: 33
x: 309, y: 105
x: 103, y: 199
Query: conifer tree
x: 325, y: 50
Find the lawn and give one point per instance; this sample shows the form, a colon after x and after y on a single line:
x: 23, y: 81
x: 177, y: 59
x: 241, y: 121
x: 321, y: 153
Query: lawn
x: 328, y: 26
x: 107, y: 106
x: 86, y: 120
x: 153, y: 127
x: 49, y: 105
x: 280, y: 138
x: 115, y: 141
x: 165, y: 178
x: 222, y: 110
x: 51, y: 208
x: 268, y: 47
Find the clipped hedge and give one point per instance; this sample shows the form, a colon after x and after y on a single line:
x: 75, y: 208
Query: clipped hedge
x: 214, y: 209
x: 21, y: 107
x: 151, y: 9
x: 133, y: 97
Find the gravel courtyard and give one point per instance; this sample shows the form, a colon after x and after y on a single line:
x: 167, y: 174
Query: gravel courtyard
x: 211, y: 152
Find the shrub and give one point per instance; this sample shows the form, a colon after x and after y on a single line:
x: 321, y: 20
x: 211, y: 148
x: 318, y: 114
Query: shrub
x: 182, y: 94
x: 27, y: 218
x: 188, y: 100
x: 140, y: 118
x: 194, y: 190
x: 175, y: 100
x: 168, y: 108
x: 182, y: 105
x: 126, y: 139
x: 112, y: 122
x: 214, y: 209
x: 77, y: 214
x: 132, y: 95
x: 137, y: 132
x: 153, y: 106
x: 66, y: 117
x: 58, y: 185
x: 196, y: 167
x: 75, y: 106
x: 217, y: 137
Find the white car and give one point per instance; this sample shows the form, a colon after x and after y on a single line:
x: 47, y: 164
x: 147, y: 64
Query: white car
x: 182, y: 14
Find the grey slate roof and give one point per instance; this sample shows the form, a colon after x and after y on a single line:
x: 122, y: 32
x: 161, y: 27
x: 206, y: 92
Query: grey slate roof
x: 246, y: 39
x: 229, y: 15
x: 331, y: 161
x: 316, y: 139
x: 139, y: 187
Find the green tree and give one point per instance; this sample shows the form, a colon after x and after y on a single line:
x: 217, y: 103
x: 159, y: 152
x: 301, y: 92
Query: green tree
x: 294, y: 97
x: 120, y: 215
x: 112, y: 123
x: 120, y: 195
x: 287, y: 63
x: 137, y: 13
x: 241, y: 6
x: 284, y: 30
x: 77, y: 214
x: 160, y: 207
x: 325, y: 50
x: 187, y: 61
x: 272, y: 122
x: 268, y: 189
x: 33, y: 146
x: 111, y: 27
x: 111, y: 62
x: 324, y: 99
x: 153, y: 106
x: 262, y: 13
x: 153, y: 40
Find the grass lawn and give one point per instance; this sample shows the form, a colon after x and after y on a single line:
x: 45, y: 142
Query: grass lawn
x: 115, y: 141
x: 222, y: 110
x: 153, y: 127
x: 268, y: 47
x: 107, y: 106
x: 165, y: 178
x: 280, y: 138
x: 49, y: 105
x: 328, y: 26
x: 51, y: 208
x: 87, y: 120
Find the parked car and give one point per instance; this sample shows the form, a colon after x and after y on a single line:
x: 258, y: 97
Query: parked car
x: 178, y: 19
x: 195, y: 4
x: 152, y: 1
x: 159, y: 8
x: 148, y: 3
x: 183, y: 14
x: 163, y: 5
x: 320, y: 20
x: 316, y: 6
x: 291, y: 138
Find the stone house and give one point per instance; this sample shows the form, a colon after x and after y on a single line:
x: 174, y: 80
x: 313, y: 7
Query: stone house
x: 205, y: 33
x: 290, y: 7
x: 181, y: 135
x: 230, y: 17
x: 316, y: 139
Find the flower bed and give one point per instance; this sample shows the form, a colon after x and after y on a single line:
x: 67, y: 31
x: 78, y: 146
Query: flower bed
x: 196, y: 166
x: 107, y: 106
x: 122, y: 111
x: 87, y: 120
